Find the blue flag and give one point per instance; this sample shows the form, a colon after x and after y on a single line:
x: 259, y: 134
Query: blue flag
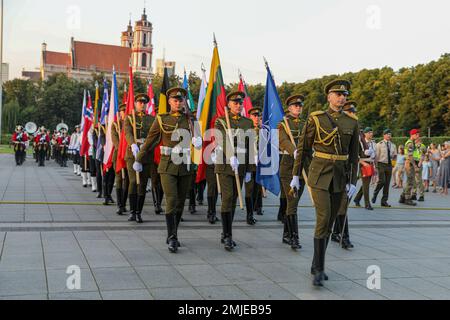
x: 268, y: 172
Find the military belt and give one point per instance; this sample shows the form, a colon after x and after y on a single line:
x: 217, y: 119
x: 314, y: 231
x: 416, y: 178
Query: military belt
x: 327, y: 156
x: 167, y: 151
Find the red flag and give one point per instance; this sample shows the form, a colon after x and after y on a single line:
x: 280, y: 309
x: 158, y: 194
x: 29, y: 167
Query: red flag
x: 248, y: 101
x: 123, y: 145
x: 151, y: 107
x: 88, y: 120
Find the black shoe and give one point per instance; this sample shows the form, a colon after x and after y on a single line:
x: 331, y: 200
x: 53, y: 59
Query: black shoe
x: 422, y: 199
x: 336, y: 237
x: 108, y: 201
x: 369, y: 207
x: 139, y: 218
x: 132, y: 217
x: 259, y: 212
x: 286, y: 236
x: 414, y: 198
x: 410, y: 203
x: 346, y: 244
x: 402, y: 199
x: 386, y: 205
x: 374, y: 199
x: 357, y: 204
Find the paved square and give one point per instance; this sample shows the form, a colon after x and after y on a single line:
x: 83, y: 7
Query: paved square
x: 48, y: 223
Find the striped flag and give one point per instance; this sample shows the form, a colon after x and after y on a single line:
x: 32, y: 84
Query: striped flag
x: 103, y: 117
x: 163, y: 108
x: 113, y: 111
x: 202, y: 93
x: 88, y: 121
x: 190, y: 100
x: 151, y: 106
x: 213, y: 108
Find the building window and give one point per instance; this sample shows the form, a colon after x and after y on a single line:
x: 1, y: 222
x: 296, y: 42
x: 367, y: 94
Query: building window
x: 145, y: 39
x: 144, y: 60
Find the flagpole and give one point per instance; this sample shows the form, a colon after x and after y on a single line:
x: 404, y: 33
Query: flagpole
x: 138, y: 177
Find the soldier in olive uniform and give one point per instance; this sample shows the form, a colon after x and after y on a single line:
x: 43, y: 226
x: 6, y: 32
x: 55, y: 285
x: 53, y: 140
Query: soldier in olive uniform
x: 341, y: 222
x: 334, y: 138
x: 238, y: 164
x: 253, y: 191
x: 121, y: 180
x: 291, y: 128
x: 213, y: 191
x: 176, y: 167
x: 143, y: 124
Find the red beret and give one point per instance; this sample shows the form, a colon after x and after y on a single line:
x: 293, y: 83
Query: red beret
x: 414, y: 131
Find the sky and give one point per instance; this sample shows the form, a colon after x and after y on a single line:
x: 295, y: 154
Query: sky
x: 301, y: 39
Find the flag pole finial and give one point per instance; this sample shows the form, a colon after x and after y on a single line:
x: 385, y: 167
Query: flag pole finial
x: 215, y: 40
x: 266, y: 63
x: 203, y: 67
x: 240, y: 74
x: 96, y: 84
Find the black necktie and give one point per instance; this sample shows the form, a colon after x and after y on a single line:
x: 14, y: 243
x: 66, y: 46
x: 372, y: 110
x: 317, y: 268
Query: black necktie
x: 389, y: 154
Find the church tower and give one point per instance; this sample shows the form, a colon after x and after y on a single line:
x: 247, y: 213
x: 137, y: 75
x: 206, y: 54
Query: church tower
x: 127, y: 37
x: 142, y: 48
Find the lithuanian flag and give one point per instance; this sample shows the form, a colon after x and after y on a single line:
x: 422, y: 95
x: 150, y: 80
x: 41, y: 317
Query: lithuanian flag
x: 162, y: 97
x: 213, y: 108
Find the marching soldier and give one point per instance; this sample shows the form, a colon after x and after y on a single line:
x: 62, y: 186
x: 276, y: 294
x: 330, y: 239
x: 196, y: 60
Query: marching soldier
x: 42, y: 142
x: 290, y: 130
x: 75, y: 142
x: 341, y: 232
x: 333, y: 136
x: 136, y: 134
x: 235, y: 171
x: 92, y: 138
x: 122, y: 181
x: 213, y: 191
x: 253, y: 191
x: 175, y: 167
x: 19, y: 139
x: 63, y: 144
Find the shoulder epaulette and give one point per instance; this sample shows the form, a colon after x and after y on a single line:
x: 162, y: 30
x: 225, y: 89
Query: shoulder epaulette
x: 351, y: 116
x: 317, y: 113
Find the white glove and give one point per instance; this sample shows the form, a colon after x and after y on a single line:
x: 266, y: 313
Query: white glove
x: 137, y: 166
x: 197, y: 142
x: 295, y: 154
x: 351, y: 190
x: 234, y: 162
x: 295, y: 183
x: 213, y: 157
x: 248, y: 177
x: 135, y: 150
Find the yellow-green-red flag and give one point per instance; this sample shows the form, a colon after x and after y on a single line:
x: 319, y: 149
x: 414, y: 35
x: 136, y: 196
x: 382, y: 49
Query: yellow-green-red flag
x: 162, y: 97
x: 213, y: 107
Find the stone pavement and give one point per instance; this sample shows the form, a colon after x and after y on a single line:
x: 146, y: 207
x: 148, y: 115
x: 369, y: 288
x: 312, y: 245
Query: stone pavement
x: 48, y: 222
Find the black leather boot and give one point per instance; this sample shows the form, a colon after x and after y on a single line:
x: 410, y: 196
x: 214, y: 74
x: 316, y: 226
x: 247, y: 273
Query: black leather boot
x: 336, y: 235
x: 140, y: 208
x: 133, y: 205
x: 249, y: 206
x: 159, y: 198
x: 286, y: 234
x: 171, y: 233
x: 282, y: 209
x: 293, y: 226
x: 402, y: 199
x: 319, y: 259
x: 192, y: 203
x: 119, y: 195
x: 125, y: 198
x: 409, y: 202
x: 346, y: 244
x: 226, y: 227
